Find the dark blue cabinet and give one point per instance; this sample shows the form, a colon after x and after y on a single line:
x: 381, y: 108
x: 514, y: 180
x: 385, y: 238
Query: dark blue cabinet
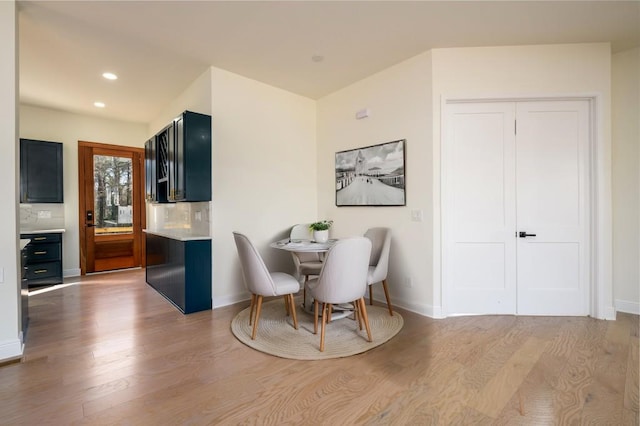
x: 155, y: 167
x: 43, y: 259
x: 180, y: 271
x: 41, y: 172
x: 190, y: 158
x: 178, y: 160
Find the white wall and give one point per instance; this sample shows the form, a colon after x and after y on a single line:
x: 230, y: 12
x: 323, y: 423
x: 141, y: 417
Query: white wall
x: 626, y: 180
x: 264, y: 173
x: 10, y: 344
x: 399, y: 99
x: 68, y: 128
x: 515, y: 71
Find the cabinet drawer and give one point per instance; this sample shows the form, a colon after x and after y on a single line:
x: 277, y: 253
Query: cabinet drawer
x: 42, y: 238
x: 42, y: 252
x: 43, y: 270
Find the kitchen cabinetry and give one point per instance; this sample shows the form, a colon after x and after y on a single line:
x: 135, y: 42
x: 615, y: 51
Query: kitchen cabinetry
x: 155, y: 156
x: 43, y: 259
x: 180, y: 271
x: 190, y: 158
x: 179, y: 159
x: 40, y: 172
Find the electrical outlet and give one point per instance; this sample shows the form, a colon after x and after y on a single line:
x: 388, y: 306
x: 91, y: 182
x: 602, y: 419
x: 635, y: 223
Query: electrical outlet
x: 408, y: 282
x: 44, y: 214
x: 416, y: 215
x: 198, y: 215
x: 1, y: 275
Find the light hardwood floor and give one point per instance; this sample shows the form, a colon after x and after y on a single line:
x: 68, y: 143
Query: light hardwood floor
x: 110, y: 350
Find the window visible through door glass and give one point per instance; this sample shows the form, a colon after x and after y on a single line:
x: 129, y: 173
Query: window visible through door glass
x: 113, y: 191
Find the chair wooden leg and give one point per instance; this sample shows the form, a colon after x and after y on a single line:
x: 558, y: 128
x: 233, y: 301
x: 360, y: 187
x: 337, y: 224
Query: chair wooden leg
x: 386, y: 294
x: 356, y: 314
x: 286, y: 304
x: 365, y: 317
x: 253, y: 304
x: 371, y: 295
x: 304, y: 291
x: 255, y: 323
x: 292, y: 305
x: 315, y: 317
x: 325, y: 308
x: 329, y: 312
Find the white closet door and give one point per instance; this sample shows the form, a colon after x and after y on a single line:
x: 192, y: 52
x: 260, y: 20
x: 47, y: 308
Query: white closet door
x: 479, y: 209
x: 552, y: 203
x: 499, y: 182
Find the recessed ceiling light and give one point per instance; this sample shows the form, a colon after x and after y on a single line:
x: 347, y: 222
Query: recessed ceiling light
x: 99, y: 104
x: 317, y: 58
x: 110, y: 76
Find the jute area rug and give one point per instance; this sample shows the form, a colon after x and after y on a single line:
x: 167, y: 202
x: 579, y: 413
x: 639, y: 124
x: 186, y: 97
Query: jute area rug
x: 276, y: 335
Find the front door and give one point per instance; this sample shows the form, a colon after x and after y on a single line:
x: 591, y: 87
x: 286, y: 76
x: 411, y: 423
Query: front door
x: 515, y: 208
x: 111, y: 207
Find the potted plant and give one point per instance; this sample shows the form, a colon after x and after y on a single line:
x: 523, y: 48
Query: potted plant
x: 321, y: 230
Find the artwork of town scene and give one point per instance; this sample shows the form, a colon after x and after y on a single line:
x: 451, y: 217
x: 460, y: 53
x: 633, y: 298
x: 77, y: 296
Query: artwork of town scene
x: 371, y: 176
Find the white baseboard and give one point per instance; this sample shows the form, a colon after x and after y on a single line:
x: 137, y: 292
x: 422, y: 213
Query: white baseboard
x: 219, y: 302
x: 71, y: 272
x: 418, y: 308
x: 628, y: 306
x: 11, y: 349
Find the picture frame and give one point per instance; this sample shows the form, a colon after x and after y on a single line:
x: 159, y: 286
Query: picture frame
x: 372, y: 175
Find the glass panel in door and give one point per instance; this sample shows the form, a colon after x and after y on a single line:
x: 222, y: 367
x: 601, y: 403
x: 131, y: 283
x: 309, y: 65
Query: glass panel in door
x: 113, y: 194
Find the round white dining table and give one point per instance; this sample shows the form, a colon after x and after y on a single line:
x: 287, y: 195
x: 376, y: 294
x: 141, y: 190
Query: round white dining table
x: 303, y: 245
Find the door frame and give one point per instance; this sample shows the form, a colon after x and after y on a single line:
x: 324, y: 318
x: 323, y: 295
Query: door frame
x: 88, y: 179
x: 600, y: 285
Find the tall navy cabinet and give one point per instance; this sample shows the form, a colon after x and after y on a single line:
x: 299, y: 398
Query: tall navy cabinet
x: 178, y: 169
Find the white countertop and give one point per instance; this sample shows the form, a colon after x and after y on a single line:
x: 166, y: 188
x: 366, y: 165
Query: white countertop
x: 178, y: 234
x: 42, y: 231
x: 24, y: 242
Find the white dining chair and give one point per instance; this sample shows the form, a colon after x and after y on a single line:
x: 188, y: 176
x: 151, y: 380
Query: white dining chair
x: 379, y: 261
x: 306, y: 263
x: 343, y: 279
x: 262, y: 283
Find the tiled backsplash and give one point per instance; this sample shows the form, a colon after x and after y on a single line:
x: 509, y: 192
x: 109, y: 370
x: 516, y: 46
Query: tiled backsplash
x: 193, y: 218
x: 39, y: 216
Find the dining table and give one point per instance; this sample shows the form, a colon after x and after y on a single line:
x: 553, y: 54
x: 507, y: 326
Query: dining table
x: 312, y: 246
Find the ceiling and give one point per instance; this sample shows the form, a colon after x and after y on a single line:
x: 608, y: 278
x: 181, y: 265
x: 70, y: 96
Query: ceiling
x: 158, y: 48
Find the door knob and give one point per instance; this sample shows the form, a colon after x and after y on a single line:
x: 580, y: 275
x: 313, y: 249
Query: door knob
x: 523, y: 234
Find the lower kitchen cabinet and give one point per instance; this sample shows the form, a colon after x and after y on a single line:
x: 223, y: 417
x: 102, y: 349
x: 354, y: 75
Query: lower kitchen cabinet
x: 180, y: 271
x: 43, y: 259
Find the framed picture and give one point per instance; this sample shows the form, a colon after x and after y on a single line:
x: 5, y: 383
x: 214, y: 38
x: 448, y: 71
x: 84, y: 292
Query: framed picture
x: 371, y: 176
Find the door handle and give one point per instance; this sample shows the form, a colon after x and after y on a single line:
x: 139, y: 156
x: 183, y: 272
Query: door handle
x: 523, y: 234
x: 89, y: 221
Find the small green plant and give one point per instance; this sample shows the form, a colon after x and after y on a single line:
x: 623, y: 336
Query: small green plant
x: 323, y: 225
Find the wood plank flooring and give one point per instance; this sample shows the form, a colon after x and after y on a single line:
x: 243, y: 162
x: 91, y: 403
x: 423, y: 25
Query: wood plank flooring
x: 108, y: 349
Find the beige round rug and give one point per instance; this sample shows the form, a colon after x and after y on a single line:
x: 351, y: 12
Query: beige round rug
x: 276, y: 335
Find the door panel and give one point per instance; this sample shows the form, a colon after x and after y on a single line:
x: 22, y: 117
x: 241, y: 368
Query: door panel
x: 552, y: 147
x: 111, y: 207
x: 480, y: 209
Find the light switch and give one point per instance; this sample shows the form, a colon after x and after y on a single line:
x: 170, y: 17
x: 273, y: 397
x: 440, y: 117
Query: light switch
x: 363, y: 113
x: 416, y: 215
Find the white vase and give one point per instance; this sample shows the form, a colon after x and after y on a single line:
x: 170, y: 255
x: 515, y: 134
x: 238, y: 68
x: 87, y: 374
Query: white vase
x: 321, y: 236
